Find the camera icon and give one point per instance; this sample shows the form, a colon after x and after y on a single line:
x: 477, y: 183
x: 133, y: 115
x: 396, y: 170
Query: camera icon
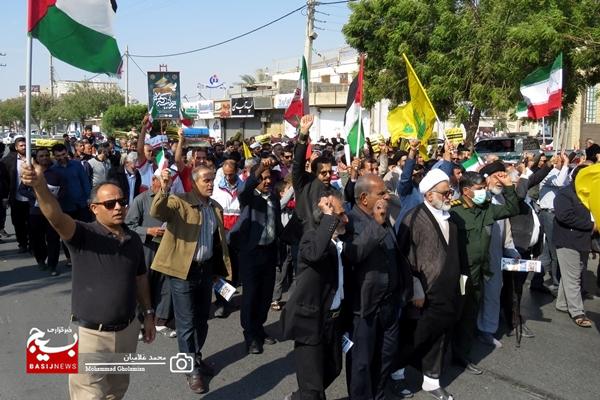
x: 181, y: 364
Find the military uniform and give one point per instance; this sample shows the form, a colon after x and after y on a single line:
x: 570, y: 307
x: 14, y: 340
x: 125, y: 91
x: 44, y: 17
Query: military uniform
x: 474, y: 226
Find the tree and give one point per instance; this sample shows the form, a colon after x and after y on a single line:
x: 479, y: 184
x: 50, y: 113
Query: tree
x: 471, y: 55
x: 85, y: 101
x: 12, y: 112
x: 121, y: 118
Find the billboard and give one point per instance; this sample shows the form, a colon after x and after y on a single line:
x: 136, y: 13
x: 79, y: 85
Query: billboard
x: 242, y: 107
x: 164, y: 94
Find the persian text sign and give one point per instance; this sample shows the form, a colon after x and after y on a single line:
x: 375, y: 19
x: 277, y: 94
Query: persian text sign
x: 164, y: 94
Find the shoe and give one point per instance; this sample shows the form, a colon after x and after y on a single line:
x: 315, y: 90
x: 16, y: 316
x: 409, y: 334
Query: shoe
x: 53, y: 272
x: 399, y: 389
x: 197, y: 384
x: 42, y: 266
x: 269, y: 340
x: 525, y: 332
x: 221, y: 311
x: 275, y: 306
x: 166, y: 331
x: 68, y: 263
x: 254, y: 348
x: 204, y: 368
x: 468, y: 366
x: 440, y: 394
x: 490, y: 340
x: 3, y: 233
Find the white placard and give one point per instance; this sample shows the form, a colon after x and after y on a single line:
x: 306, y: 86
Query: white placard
x: 513, y: 264
x: 224, y: 289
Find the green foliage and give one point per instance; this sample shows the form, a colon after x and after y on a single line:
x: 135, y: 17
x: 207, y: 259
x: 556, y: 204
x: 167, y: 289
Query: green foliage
x: 12, y: 112
x: 121, y: 118
x: 472, y: 55
x: 84, y: 101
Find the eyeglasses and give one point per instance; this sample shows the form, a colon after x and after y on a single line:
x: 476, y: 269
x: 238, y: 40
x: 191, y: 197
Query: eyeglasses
x: 447, y: 193
x: 111, y: 204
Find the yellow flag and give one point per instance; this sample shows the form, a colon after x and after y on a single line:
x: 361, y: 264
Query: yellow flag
x: 247, y: 152
x: 415, y: 119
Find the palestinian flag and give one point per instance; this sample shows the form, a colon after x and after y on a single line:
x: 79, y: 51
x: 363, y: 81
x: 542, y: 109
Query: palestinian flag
x: 185, y: 118
x: 542, y: 90
x: 473, y: 164
x: 355, y: 134
x: 78, y: 32
x: 161, y: 161
x: 299, y: 105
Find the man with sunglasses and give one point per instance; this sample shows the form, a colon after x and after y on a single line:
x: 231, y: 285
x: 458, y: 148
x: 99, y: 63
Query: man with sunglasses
x: 474, y: 216
x: 430, y: 241
x: 105, y: 287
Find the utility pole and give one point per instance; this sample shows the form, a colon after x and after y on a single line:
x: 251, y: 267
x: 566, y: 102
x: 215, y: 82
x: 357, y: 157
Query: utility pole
x: 127, y: 76
x: 310, y: 35
x: 51, y: 76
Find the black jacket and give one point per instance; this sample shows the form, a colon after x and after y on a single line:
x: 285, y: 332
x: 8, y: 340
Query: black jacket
x: 303, y: 316
x: 10, y: 162
x: 247, y: 231
x: 4, y: 182
x: 119, y: 175
x: 522, y: 223
x: 307, y: 187
x: 572, y: 221
x: 373, y: 253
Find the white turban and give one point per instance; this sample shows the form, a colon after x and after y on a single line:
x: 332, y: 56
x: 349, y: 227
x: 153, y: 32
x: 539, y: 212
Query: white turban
x: 432, y: 178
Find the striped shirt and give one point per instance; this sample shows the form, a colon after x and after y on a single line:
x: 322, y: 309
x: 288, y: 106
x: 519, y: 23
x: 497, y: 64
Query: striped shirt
x: 204, y: 249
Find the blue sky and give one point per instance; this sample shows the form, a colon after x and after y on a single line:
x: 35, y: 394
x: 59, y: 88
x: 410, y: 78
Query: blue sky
x: 169, y: 26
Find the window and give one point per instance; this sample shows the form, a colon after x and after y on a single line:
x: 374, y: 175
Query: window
x: 325, y: 78
x: 591, y: 105
x: 344, y: 78
x: 495, y: 146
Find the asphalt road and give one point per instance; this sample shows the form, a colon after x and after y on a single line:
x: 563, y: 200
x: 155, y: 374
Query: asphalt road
x: 561, y: 362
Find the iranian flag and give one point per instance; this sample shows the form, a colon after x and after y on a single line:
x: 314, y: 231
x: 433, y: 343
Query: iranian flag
x: 355, y: 134
x: 78, y: 32
x: 473, y: 164
x: 542, y: 90
x: 161, y: 162
x: 299, y: 105
x: 521, y: 111
x: 185, y: 118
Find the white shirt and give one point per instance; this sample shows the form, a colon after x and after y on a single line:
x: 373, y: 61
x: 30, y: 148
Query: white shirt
x: 131, y: 183
x: 550, y: 186
x: 536, y: 224
x: 442, y: 219
x: 339, y: 294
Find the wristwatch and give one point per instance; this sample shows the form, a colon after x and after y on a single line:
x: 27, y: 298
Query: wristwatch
x: 148, y: 311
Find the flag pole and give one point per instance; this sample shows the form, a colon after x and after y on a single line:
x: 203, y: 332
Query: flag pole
x: 28, y: 100
x: 558, y: 138
x: 359, y: 130
x: 544, y: 133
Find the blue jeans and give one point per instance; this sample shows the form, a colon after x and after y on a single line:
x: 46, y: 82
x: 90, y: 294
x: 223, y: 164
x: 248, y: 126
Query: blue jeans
x: 191, y: 303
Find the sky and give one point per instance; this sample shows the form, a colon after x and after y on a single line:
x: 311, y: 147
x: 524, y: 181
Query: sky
x: 150, y: 27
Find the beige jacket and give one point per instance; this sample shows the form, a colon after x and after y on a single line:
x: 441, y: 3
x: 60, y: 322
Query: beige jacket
x: 178, y: 245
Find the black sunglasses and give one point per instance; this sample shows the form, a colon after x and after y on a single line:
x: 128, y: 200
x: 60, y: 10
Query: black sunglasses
x: 111, y: 204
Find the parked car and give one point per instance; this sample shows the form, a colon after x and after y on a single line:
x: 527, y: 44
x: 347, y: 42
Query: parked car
x: 508, y: 148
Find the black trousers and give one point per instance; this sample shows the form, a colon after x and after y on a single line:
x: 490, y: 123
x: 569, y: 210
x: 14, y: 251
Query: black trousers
x: 257, y: 271
x: 45, y: 242
x: 421, y: 345
x: 510, y: 297
x: 235, y: 276
x: 19, y: 214
x: 370, y: 359
x: 464, y: 331
x: 317, y: 366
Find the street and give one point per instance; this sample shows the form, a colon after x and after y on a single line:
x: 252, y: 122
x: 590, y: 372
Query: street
x: 561, y: 362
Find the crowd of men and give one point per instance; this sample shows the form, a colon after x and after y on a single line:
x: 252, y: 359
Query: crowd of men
x: 395, y: 260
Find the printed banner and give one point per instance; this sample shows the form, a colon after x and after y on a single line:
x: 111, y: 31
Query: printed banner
x: 206, y: 109
x: 454, y: 136
x: 512, y: 264
x: 242, y: 107
x: 164, y: 94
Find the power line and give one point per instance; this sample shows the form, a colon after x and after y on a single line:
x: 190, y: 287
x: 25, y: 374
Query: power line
x: 136, y: 64
x: 224, y: 41
x: 328, y: 3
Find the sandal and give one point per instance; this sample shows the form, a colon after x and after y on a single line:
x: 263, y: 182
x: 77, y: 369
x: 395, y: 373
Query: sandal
x: 582, y: 321
x: 275, y: 306
x: 166, y: 331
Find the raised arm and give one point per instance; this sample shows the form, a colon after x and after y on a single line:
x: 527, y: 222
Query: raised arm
x: 510, y: 208
x: 300, y: 177
x: 179, y: 150
x: 141, y: 141
x: 63, y: 224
